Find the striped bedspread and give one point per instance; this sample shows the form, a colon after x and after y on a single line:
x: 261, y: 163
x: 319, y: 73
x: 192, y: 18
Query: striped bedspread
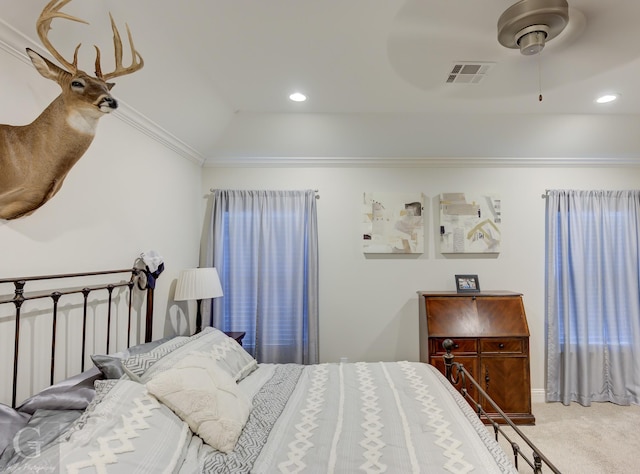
x: 395, y: 417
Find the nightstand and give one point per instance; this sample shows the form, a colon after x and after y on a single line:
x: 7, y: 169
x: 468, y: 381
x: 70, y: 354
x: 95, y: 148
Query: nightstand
x: 237, y: 335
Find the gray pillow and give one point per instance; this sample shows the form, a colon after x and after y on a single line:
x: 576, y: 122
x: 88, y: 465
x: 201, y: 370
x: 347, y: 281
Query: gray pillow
x: 73, y: 393
x: 111, y: 365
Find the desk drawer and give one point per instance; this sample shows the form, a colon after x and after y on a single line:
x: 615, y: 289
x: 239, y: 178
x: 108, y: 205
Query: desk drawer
x: 502, y: 346
x: 460, y: 345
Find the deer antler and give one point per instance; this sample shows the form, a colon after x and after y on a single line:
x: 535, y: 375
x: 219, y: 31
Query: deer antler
x: 43, y: 25
x: 136, y: 60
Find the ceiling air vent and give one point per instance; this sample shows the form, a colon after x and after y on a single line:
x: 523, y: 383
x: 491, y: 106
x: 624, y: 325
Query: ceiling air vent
x: 468, y: 73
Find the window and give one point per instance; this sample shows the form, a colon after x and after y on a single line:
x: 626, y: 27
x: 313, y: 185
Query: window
x: 264, y: 244
x: 591, y: 275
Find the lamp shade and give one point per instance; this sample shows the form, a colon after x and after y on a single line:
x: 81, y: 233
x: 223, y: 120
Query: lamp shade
x: 198, y: 284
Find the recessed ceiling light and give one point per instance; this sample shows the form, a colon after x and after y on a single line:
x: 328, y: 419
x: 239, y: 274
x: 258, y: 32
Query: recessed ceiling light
x: 298, y: 97
x: 605, y: 99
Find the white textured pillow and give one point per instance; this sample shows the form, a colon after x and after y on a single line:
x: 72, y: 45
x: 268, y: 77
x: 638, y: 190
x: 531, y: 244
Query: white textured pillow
x: 206, y: 397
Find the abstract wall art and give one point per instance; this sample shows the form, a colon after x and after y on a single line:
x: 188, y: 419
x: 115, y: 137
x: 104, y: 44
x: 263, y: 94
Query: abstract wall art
x: 470, y: 225
x: 393, y: 222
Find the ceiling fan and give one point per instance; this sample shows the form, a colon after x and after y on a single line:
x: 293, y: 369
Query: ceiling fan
x: 529, y: 24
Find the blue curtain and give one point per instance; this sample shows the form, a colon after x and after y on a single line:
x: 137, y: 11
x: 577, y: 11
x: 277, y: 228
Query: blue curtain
x: 593, y: 296
x: 264, y: 245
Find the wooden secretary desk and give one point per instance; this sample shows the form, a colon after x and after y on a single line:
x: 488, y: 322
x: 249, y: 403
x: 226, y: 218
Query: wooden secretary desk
x: 491, y: 338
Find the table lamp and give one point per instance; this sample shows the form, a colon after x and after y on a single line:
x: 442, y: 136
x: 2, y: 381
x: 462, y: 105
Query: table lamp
x: 198, y: 284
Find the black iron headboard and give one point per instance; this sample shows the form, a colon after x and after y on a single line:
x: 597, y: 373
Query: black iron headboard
x: 136, y: 278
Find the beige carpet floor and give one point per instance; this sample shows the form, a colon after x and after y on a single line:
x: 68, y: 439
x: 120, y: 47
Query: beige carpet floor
x: 603, y: 438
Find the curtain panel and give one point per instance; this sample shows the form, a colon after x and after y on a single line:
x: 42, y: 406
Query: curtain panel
x: 264, y: 245
x: 593, y: 296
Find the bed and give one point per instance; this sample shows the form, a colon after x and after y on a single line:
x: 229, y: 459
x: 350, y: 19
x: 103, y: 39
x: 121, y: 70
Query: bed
x: 201, y: 403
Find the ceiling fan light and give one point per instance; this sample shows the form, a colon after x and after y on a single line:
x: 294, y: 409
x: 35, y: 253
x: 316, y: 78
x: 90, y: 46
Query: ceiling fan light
x: 531, y: 40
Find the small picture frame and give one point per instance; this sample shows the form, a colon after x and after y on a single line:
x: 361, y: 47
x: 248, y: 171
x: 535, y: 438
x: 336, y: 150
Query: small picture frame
x: 467, y: 284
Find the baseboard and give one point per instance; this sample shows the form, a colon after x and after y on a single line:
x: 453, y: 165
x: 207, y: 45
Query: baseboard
x: 538, y: 395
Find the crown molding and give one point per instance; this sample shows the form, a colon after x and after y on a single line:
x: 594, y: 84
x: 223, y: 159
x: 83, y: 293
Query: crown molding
x: 15, y: 43
x: 142, y: 123
x: 421, y: 162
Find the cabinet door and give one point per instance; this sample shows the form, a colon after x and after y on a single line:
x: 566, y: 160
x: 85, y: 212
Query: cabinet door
x: 470, y: 363
x: 506, y: 381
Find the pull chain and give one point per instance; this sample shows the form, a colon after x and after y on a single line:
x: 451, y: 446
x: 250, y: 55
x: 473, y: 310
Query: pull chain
x: 539, y: 78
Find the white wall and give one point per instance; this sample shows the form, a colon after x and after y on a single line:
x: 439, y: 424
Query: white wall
x: 127, y: 194
x: 368, y: 304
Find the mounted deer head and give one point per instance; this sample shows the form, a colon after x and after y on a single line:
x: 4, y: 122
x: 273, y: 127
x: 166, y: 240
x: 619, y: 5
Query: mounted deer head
x: 35, y: 158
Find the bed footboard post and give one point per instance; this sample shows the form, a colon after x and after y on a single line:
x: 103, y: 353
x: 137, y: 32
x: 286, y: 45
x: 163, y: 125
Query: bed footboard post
x: 448, y: 345
x: 537, y: 463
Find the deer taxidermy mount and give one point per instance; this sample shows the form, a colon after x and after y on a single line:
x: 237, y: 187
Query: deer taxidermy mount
x: 35, y: 158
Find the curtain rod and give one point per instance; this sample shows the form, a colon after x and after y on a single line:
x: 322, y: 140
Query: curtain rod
x: 214, y: 189
x: 546, y: 194
x: 211, y: 190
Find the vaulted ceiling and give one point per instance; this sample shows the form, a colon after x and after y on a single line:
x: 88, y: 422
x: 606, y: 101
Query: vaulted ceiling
x: 218, y: 74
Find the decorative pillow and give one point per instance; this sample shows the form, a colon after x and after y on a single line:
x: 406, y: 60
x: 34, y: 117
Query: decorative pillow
x: 137, y: 366
x: 149, y: 346
x: 111, y: 365
x: 73, y: 393
x: 211, y: 341
x: 206, y: 397
x: 233, y: 358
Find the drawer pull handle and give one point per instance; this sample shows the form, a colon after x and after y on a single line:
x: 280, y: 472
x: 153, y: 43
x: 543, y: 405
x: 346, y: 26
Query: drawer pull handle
x: 456, y: 346
x: 501, y: 345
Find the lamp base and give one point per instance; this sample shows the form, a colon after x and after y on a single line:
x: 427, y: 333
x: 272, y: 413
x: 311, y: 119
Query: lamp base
x: 199, y: 317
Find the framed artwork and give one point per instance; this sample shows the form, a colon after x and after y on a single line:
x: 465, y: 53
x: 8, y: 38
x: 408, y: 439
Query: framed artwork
x: 392, y: 223
x: 467, y: 284
x: 470, y: 225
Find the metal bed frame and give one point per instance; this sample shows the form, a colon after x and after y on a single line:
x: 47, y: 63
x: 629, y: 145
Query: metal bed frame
x: 456, y: 373
x: 136, y: 276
